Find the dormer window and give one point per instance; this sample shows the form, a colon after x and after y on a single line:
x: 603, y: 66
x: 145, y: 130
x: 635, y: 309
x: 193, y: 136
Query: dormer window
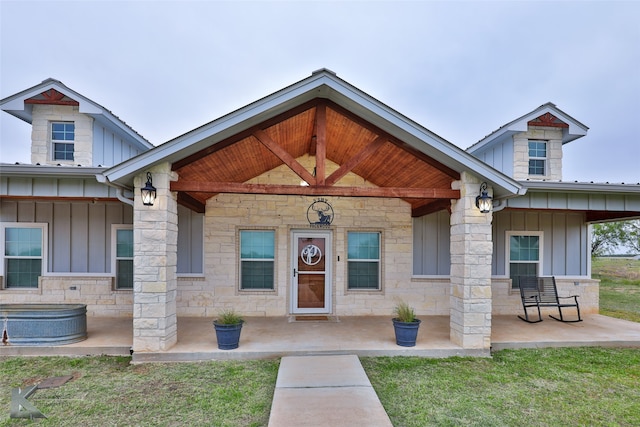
x: 62, y: 138
x: 537, y: 157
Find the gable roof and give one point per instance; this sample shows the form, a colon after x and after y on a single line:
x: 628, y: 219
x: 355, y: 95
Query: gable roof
x: 52, y: 91
x: 292, y: 111
x: 545, y: 115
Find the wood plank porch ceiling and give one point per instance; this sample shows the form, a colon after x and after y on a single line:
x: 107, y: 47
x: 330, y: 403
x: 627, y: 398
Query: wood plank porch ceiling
x: 325, y: 130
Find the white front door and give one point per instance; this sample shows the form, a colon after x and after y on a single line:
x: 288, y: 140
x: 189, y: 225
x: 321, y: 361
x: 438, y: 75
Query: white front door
x: 311, y: 272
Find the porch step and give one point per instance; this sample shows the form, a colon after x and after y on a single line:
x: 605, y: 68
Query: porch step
x: 325, y: 391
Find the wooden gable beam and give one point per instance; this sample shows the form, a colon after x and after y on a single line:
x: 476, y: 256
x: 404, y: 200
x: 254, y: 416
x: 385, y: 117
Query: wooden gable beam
x: 191, y: 202
x: 321, y: 142
x: 348, y: 166
x: 301, y: 190
x: 283, y: 155
x: 430, y: 208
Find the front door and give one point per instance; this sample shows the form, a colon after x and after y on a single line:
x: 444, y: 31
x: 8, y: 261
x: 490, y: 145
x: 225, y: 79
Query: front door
x: 311, y: 273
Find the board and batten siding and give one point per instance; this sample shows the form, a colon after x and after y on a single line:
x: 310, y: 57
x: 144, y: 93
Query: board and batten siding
x: 431, y: 245
x: 190, y: 242
x: 565, y: 240
x: 79, y: 232
x: 499, y: 156
x: 565, y: 249
x: 111, y: 148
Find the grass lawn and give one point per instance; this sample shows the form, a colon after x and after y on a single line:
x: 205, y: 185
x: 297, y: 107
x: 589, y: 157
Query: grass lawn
x: 619, y: 287
x: 532, y: 387
x: 543, y: 387
x: 108, y: 391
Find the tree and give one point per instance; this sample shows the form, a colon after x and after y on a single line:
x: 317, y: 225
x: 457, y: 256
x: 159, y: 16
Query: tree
x: 609, y: 236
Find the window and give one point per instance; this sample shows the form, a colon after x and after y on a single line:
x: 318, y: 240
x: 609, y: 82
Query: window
x: 123, y: 256
x: 363, y: 255
x: 63, y: 136
x: 257, y: 248
x: 537, y: 157
x: 23, y: 253
x: 525, y: 255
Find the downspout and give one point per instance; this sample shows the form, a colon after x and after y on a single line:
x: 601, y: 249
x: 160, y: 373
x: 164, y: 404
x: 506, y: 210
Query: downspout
x: 120, y: 195
x: 119, y: 189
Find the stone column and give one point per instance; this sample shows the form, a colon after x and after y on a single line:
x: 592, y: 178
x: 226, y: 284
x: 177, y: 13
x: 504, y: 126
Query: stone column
x: 155, y: 240
x: 471, y: 252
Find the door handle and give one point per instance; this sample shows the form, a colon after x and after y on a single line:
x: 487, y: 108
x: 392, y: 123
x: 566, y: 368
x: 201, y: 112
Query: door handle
x: 295, y: 272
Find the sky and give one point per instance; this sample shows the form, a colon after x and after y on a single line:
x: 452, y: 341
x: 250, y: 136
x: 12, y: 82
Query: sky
x: 461, y: 69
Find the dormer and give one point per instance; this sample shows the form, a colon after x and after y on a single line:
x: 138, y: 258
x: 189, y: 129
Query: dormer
x: 530, y: 147
x: 69, y: 129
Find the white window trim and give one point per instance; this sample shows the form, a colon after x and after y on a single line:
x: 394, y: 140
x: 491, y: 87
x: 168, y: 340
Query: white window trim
x: 380, y: 255
x: 61, y: 141
x: 240, y: 259
x: 114, y: 252
x: 507, y: 255
x: 44, y: 227
x: 545, y: 159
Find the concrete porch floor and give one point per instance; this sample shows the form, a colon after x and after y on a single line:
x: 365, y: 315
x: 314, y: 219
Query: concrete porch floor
x: 363, y: 336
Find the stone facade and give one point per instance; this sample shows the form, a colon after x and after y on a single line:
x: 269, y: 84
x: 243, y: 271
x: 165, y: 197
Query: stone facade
x: 471, y: 252
x: 97, y: 292
x: 155, y: 238
x: 553, y: 168
x: 227, y: 214
x: 41, y: 145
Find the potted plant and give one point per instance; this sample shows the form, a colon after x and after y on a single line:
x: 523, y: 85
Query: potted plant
x: 405, y: 325
x: 228, y: 326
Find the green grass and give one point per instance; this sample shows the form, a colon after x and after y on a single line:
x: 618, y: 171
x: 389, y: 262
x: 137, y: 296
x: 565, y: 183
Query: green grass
x: 532, y: 387
x: 108, y: 391
x: 619, y: 287
x: 543, y: 387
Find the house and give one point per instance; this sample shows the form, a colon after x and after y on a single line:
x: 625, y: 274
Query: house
x: 317, y: 199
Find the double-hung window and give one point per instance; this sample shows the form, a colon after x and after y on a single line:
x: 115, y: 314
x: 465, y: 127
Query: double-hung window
x: 63, y: 135
x: 23, y: 254
x: 525, y: 255
x: 537, y: 157
x: 123, y: 260
x: 363, y: 255
x: 257, y: 249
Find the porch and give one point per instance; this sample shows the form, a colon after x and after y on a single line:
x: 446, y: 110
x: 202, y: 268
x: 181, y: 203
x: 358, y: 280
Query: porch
x: 364, y: 336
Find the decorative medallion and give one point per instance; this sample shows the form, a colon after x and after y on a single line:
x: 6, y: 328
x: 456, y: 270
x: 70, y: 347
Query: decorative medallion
x: 311, y: 254
x: 320, y: 213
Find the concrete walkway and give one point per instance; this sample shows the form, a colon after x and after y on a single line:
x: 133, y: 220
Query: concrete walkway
x: 325, y: 391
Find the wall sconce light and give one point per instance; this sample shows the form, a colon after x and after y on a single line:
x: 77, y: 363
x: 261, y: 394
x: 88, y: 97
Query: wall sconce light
x: 483, y: 200
x: 148, y: 192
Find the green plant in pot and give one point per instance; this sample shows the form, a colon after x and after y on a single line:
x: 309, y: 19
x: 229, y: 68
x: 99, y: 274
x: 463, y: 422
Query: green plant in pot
x: 405, y: 324
x: 228, y: 326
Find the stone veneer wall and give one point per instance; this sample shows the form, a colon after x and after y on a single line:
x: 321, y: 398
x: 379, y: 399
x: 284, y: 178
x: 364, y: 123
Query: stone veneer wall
x: 227, y: 214
x: 553, y: 136
x: 41, y: 145
x: 97, y: 292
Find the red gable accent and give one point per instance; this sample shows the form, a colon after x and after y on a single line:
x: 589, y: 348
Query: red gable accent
x: 548, y: 120
x: 52, y: 97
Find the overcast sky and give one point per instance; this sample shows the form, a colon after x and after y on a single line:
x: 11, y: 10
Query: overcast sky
x: 460, y: 69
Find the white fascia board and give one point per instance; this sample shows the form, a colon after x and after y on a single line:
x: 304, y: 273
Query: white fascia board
x: 576, y: 129
x: 38, y: 171
x: 15, y: 106
x: 582, y: 187
x: 218, y: 130
x: 327, y: 86
x: 417, y: 136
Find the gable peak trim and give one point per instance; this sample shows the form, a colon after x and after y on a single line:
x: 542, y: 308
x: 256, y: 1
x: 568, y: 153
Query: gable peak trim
x: 548, y: 120
x: 52, y: 97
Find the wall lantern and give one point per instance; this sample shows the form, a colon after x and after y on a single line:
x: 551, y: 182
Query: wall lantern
x: 149, y: 192
x: 483, y: 200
